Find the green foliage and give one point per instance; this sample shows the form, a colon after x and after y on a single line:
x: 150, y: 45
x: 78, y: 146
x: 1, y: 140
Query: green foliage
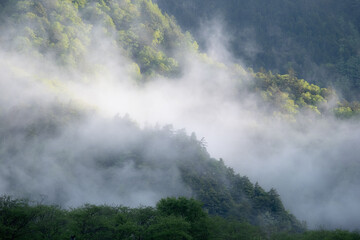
x: 93, y: 222
x: 134, y: 223
x: 69, y: 30
x: 173, y: 218
x: 289, y: 95
x: 49, y: 27
x: 169, y: 227
x: 15, y: 218
x: 19, y: 219
x: 188, y: 209
x: 50, y: 222
x: 155, y: 61
x: 346, y: 110
x: 80, y: 3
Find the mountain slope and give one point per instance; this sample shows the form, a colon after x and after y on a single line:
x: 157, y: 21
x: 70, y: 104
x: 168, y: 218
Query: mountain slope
x: 75, y: 33
x: 66, y: 63
x: 320, y: 40
x: 69, y: 30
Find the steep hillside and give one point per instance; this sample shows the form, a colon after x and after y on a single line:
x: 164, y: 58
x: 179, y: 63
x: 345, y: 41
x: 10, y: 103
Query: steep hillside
x: 57, y: 146
x: 320, y: 40
x: 76, y: 33
x: 69, y: 30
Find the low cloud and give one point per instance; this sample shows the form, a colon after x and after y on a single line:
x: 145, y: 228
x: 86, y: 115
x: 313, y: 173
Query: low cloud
x: 313, y: 163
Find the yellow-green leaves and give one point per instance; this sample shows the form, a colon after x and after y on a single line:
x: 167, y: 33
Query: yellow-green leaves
x: 290, y: 95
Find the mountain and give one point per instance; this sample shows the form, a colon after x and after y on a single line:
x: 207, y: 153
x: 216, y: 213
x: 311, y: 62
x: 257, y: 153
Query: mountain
x: 320, y: 40
x: 139, y: 30
x: 119, y: 159
x: 67, y: 69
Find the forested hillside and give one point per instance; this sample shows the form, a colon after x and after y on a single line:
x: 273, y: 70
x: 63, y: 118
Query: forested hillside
x: 146, y: 164
x: 320, y: 40
x: 69, y: 30
x: 139, y: 30
x: 88, y: 90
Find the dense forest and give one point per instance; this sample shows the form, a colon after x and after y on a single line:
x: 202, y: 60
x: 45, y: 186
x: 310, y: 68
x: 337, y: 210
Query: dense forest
x: 172, y: 218
x: 58, y: 147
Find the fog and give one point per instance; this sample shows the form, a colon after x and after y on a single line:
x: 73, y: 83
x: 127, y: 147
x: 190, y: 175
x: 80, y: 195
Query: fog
x: 313, y: 162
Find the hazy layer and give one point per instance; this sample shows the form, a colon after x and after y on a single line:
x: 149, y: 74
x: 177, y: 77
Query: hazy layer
x: 313, y: 163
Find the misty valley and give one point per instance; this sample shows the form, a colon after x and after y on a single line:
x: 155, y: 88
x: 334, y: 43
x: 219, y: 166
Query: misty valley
x: 140, y: 119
